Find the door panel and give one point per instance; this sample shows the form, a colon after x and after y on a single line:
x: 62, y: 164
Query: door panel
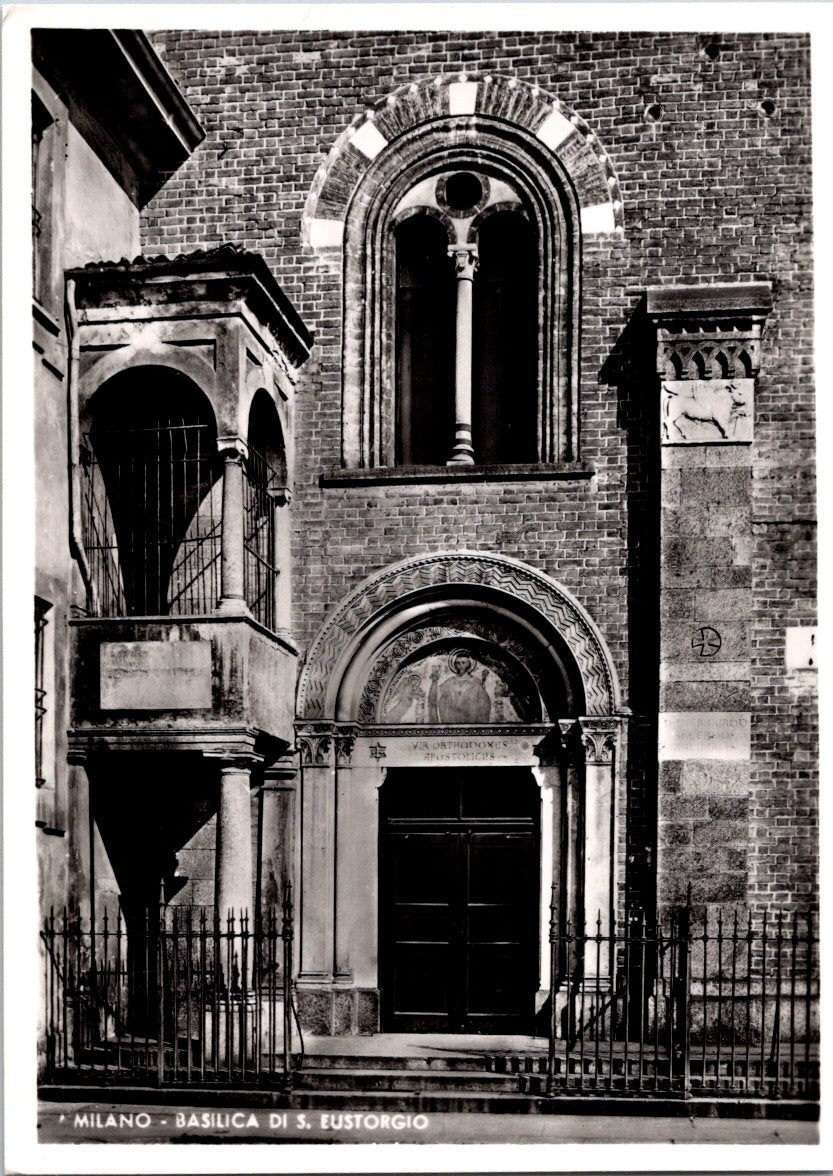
x: 459, y: 902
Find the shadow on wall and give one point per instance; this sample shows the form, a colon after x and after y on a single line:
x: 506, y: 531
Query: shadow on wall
x: 631, y: 370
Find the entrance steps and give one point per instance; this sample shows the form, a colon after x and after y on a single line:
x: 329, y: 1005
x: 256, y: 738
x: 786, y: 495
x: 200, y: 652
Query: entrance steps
x: 425, y: 1072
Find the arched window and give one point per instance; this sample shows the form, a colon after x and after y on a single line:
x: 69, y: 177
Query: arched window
x: 488, y: 338
x: 461, y: 302
x: 424, y: 342
x: 505, y: 341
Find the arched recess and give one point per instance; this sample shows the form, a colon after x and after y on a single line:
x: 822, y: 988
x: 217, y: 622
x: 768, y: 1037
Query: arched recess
x: 265, y: 516
x: 150, y: 494
x: 550, y: 203
x: 432, y: 588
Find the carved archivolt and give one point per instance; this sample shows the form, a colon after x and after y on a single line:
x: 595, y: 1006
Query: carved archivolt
x: 508, y: 581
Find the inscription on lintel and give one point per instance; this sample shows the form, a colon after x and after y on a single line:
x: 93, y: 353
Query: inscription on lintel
x: 448, y: 750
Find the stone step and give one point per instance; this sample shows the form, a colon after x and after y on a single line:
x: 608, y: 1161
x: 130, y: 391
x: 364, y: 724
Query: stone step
x: 361, y: 1061
x: 411, y: 1081
x: 421, y: 1102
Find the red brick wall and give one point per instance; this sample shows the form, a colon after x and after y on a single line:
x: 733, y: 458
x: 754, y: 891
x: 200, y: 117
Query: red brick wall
x: 713, y: 191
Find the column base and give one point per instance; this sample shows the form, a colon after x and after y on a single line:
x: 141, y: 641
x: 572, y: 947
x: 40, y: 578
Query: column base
x: 232, y: 606
x: 338, y: 1012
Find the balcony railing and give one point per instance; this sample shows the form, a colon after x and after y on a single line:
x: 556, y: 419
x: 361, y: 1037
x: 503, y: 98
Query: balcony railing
x: 152, y: 519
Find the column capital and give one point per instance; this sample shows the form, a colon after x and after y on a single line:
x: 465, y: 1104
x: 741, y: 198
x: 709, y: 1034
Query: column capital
x: 598, y: 734
x: 280, y: 774
x: 315, y: 745
x: 553, y: 750
x: 345, y: 741
x: 233, y: 761
x: 466, y: 261
x: 232, y: 447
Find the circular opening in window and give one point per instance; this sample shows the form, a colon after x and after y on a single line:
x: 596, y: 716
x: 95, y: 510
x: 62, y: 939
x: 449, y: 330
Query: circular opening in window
x: 463, y: 191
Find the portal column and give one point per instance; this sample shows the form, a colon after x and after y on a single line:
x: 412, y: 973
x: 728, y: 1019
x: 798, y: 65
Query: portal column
x: 598, y: 736
x: 317, y: 888
x: 466, y: 263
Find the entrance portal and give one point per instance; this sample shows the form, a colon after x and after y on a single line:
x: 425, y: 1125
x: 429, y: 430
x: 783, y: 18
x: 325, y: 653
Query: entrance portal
x: 459, y: 894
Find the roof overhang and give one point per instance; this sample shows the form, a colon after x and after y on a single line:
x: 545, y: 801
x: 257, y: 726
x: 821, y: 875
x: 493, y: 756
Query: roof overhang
x: 122, y: 100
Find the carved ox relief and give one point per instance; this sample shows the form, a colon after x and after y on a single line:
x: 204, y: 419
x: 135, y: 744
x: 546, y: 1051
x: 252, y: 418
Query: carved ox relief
x: 707, y: 411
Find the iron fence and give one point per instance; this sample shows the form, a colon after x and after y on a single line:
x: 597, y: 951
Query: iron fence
x: 716, y: 1005
x: 720, y: 1004
x: 181, y: 997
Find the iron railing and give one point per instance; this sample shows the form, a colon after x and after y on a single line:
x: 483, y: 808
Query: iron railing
x: 721, y: 1004
x: 152, y: 523
x: 152, y: 519
x: 181, y: 997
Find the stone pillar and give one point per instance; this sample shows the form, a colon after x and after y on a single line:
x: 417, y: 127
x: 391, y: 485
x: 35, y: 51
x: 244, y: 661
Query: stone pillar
x: 572, y: 838
x: 550, y: 778
x: 466, y: 262
x: 276, y: 835
x: 232, y: 596
x: 356, y: 1006
x: 708, y: 357
x: 234, y: 842
x: 317, y: 882
x: 598, y: 736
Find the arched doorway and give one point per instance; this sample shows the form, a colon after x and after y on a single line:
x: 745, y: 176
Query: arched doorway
x: 457, y: 720
x: 458, y: 894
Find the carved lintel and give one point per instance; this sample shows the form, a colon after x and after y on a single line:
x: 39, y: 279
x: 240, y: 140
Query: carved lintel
x: 598, y: 736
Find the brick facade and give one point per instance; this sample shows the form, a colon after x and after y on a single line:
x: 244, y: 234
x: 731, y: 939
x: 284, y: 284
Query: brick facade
x: 715, y: 189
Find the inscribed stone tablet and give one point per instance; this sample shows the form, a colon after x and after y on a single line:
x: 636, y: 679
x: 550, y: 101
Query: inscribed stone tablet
x: 717, y: 735
x: 155, y: 675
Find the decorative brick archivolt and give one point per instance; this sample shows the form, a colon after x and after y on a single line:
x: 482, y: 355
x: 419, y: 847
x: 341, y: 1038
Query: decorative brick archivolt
x: 466, y: 99
x: 350, y: 633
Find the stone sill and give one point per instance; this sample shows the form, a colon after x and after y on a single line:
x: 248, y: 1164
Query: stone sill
x: 280, y: 639
x: 394, y: 475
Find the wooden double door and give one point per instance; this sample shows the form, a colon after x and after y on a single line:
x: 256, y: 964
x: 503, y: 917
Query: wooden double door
x: 459, y: 895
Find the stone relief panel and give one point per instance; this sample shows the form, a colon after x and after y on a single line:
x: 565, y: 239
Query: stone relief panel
x: 697, y: 412
x: 457, y: 686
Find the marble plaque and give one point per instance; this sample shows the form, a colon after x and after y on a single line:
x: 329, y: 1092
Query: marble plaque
x: 155, y: 675
x: 716, y: 735
x: 698, y: 412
